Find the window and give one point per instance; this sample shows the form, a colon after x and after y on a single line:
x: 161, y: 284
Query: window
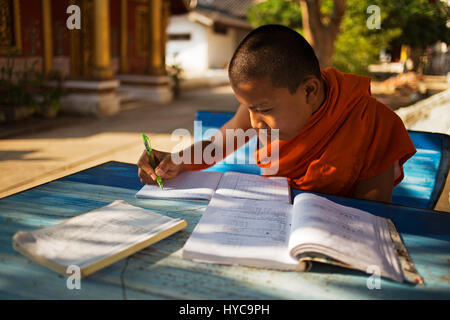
x: 220, y: 28
x: 180, y: 36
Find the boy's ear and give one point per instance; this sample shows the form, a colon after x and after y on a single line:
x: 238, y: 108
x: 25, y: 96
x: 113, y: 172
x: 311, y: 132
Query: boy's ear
x: 312, y: 87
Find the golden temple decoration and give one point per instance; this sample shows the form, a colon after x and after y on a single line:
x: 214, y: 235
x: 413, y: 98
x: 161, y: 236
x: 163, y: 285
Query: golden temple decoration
x: 123, y: 36
x: 10, y: 31
x: 47, y: 35
x: 156, y: 66
x: 142, y: 31
x: 82, y: 42
x: 102, y: 47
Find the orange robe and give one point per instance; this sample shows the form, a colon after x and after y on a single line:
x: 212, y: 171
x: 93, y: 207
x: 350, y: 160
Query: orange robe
x: 351, y: 137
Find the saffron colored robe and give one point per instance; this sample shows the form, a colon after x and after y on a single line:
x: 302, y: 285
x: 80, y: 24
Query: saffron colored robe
x: 351, y: 137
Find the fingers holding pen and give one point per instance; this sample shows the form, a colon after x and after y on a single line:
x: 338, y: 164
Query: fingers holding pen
x: 165, y: 167
x: 145, y: 172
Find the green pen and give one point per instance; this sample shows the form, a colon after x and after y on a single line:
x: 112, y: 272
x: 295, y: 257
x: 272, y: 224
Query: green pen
x: 151, y: 159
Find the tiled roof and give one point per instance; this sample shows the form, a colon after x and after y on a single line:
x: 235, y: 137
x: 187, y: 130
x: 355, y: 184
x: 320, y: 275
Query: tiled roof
x: 209, y: 17
x: 236, y: 8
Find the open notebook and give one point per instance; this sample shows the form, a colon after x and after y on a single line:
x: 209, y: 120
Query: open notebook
x: 202, y: 185
x: 96, y: 239
x: 287, y: 237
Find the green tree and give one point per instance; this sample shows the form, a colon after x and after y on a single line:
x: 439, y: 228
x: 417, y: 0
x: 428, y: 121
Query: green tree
x: 357, y: 46
x: 318, y: 22
x: 416, y: 23
x: 287, y: 13
x: 321, y: 24
x: 423, y: 22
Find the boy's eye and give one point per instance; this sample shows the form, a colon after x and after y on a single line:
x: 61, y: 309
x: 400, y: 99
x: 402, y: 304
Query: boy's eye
x: 264, y: 111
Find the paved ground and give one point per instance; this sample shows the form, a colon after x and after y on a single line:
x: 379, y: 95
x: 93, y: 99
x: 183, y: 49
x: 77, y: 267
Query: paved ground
x: 31, y: 159
x: 55, y: 148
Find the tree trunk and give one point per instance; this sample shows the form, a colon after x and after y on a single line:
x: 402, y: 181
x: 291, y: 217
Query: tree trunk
x: 322, y: 36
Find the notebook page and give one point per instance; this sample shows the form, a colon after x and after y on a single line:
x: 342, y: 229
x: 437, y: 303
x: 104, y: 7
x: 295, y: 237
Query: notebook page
x: 347, y: 234
x: 189, y: 185
x: 93, y: 236
x: 242, y: 231
x: 251, y: 186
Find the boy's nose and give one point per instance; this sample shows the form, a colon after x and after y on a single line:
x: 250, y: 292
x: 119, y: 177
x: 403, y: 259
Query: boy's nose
x: 257, y: 123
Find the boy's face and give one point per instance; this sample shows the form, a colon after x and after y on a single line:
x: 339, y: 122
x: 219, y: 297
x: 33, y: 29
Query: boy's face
x: 277, y: 108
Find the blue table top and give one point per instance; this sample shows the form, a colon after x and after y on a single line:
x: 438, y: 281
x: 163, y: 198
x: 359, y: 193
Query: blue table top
x: 158, y: 272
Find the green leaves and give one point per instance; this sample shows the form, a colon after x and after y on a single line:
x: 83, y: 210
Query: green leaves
x: 357, y: 46
x: 276, y: 12
x: 26, y: 87
x: 417, y: 23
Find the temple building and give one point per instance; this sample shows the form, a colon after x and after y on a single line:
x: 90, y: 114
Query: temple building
x: 119, y: 47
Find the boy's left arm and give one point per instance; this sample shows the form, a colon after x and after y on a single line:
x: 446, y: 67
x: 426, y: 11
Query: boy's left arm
x: 378, y: 188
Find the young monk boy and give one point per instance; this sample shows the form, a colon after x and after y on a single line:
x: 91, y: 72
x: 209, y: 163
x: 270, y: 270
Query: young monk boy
x: 334, y: 137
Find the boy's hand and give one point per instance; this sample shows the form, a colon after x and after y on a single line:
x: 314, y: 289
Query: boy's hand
x: 166, y: 169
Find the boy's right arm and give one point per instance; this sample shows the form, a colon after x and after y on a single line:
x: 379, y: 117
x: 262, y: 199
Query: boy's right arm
x: 167, y: 169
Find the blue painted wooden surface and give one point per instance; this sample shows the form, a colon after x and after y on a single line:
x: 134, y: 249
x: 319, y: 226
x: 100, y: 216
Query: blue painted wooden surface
x: 158, y: 272
x: 425, y: 172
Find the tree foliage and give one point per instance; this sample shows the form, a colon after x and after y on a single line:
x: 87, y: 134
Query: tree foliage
x: 357, y: 46
x: 423, y: 22
x: 417, y: 23
x: 287, y: 13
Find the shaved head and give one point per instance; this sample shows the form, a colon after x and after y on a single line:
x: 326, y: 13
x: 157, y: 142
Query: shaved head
x: 275, y: 52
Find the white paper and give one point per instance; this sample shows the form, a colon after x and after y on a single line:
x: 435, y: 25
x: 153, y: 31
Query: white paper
x: 347, y: 234
x: 250, y: 186
x: 242, y: 231
x: 190, y: 185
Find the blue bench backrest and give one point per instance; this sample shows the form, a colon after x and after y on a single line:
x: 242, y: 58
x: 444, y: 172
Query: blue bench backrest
x: 425, y: 172
x: 241, y: 160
